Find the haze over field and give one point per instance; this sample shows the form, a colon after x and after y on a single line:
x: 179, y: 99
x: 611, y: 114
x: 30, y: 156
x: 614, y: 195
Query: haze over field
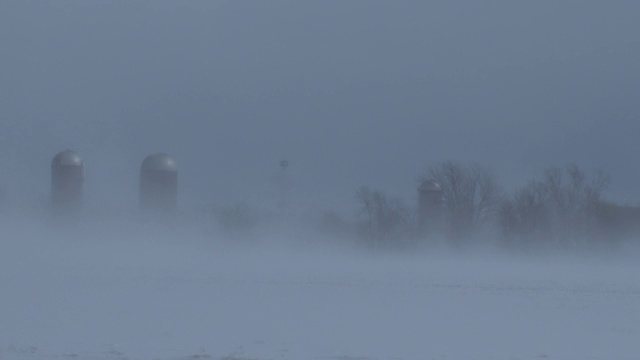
x: 362, y: 98
x: 156, y: 292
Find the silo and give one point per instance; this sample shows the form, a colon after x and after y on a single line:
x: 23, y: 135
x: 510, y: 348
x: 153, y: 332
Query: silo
x: 67, y: 181
x: 158, y: 184
x: 430, y: 205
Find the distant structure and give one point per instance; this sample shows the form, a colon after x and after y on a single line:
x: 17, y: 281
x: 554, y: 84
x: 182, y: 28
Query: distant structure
x: 159, y: 184
x: 67, y: 181
x: 430, y: 207
x: 283, y: 183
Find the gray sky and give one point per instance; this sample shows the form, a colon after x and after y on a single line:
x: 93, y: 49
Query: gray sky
x: 351, y: 92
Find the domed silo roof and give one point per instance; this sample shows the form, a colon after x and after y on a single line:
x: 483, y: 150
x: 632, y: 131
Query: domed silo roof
x: 159, y: 162
x: 67, y: 158
x: 429, y: 185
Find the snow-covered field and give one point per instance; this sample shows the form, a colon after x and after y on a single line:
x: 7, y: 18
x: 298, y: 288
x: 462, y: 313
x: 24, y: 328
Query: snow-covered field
x: 152, y: 294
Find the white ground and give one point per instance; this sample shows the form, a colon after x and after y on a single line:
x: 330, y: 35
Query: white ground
x: 153, y: 296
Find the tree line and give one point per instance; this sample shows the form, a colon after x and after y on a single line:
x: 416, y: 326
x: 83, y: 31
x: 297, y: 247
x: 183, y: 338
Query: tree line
x: 563, y: 206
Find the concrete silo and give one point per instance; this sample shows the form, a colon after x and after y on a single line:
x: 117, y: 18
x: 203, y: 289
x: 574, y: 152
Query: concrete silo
x: 430, y: 207
x: 158, y: 184
x: 67, y: 181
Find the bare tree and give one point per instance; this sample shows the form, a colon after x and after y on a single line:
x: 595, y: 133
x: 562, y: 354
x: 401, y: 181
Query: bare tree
x: 488, y: 195
x: 527, y: 214
x: 563, y: 207
x: 386, y: 219
x: 471, y: 195
x: 364, y: 199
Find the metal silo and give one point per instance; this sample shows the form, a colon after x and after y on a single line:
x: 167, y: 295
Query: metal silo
x: 67, y: 181
x: 158, y: 184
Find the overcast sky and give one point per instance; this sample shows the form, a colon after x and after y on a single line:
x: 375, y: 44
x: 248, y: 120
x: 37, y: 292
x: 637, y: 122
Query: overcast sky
x: 350, y: 92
